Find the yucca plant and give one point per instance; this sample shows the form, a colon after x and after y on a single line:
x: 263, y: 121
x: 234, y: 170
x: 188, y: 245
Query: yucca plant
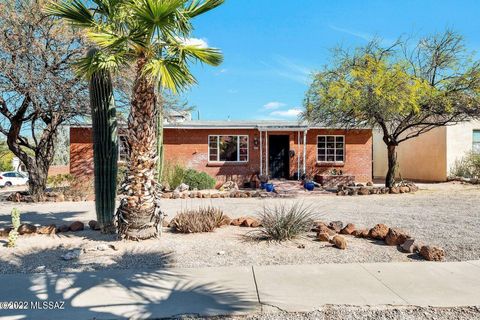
x: 284, y: 222
x: 154, y: 36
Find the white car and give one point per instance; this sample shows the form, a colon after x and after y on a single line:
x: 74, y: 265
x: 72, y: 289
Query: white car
x: 12, y: 178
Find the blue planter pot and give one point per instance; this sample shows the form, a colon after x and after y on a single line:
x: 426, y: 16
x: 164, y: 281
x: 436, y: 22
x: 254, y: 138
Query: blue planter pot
x: 309, y: 186
x: 262, y: 185
x: 269, y: 187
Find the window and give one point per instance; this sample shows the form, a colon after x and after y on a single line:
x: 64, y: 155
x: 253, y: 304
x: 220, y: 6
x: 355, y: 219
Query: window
x: 476, y: 141
x: 228, y: 148
x: 122, y: 148
x: 330, y: 148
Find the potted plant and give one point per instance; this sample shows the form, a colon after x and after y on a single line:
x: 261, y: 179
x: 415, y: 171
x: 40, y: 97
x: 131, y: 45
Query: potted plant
x: 263, y: 180
x: 309, y: 184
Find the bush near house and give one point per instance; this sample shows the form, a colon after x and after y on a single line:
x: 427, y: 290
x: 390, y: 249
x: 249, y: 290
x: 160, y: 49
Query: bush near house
x: 467, y: 167
x: 175, y: 174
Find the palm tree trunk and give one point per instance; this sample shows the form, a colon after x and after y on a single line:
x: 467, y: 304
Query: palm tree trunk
x: 137, y: 215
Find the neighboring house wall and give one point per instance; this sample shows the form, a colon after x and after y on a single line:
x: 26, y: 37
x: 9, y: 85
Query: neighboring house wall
x: 428, y: 157
x: 189, y: 147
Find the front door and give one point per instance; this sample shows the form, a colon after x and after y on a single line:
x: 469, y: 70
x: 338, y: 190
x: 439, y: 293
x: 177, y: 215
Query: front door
x: 278, y: 147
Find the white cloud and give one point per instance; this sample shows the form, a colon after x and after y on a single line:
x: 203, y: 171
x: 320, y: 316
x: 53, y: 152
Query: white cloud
x: 273, y: 105
x: 290, y: 113
x: 359, y: 34
x: 201, y: 43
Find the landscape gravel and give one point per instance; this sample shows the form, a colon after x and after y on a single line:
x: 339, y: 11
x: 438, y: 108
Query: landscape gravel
x: 445, y: 215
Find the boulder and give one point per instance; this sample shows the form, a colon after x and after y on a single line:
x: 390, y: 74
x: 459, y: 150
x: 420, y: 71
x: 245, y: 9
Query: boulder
x: 26, y: 228
x: 409, y: 246
x: 349, y: 228
x: 94, y: 225
x: 339, y: 242
x: 229, y: 186
x: 369, y: 184
x: 72, y: 254
x: 4, y: 232
x: 378, y: 232
x: 360, y: 185
x: 63, y: 228
x: 50, y: 230
x: 336, y: 225
x: 432, y: 253
x: 404, y: 189
x: 353, y: 191
x: 363, y: 191
x: 323, y: 236
x: 250, y: 222
x: 360, y: 233
x: 165, y: 223
x: 325, y: 229
x: 237, y: 222
x: 413, y: 187
x: 76, y: 226
x: 182, y: 187
x: 395, y: 237
x: 394, y: 190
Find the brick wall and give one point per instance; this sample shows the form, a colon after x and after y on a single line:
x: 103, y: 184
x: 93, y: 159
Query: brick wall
x: 189, y: 147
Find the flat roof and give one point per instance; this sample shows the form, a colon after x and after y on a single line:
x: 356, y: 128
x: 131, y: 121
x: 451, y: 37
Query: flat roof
x: 261, y: 125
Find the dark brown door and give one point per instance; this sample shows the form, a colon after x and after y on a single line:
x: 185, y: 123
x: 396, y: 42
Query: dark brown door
x: 278, y: 147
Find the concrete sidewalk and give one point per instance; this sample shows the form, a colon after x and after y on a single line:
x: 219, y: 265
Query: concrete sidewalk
x: 114, y: 294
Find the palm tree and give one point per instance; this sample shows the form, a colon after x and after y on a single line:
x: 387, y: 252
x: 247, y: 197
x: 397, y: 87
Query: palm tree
x: 153, y: 36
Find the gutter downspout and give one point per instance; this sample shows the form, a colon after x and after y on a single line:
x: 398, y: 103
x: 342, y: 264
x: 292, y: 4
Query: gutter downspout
x: 298, y: 155
x: 266, y: 152
x: 261, y: 153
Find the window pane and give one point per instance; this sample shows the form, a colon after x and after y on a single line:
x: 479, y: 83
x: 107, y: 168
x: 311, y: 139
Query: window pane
x: 330, y: 151
x: 228, y: 148
x: 243, y: 142
x: 321, y: 139
x: 339, y: 139
x: 331, y: 158
x: 340, y: 158
x: 321, y: 157
x: 330, y: 139
x: 339, y: 151
x: 476, y: 136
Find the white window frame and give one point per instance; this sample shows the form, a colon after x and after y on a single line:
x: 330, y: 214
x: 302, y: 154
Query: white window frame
x: 238, y: 147
x: 334, y: 149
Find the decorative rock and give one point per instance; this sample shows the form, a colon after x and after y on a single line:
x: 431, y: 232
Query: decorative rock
x: 379, y: 232
x: 394, y: 190
x: 50, y: 230
x: 301, y: 246
x: 72, y: 254
x: 94, y: 225
x: 63, y: 228
x: 327, y: 230
x: 349, y: 228
x: 409, y: 246
x: 4, y: 232
x: 250, y: 222
x: 228, y: 186
x: 182, y: 187
x: 432, y: 253
x: 323, y: 236
x: 360, y: 185
x: 360, y: 233
x: 339, y: 242
x: 165, y: 223
x: 404, y: 189
x: 221, y: 253
x: 395, y: 237
x: 336, y: 225
x: 237, y: 222
x: 26, y: 228
x: 76, y: 226
x: 369, y: 184
x: 363, y: 191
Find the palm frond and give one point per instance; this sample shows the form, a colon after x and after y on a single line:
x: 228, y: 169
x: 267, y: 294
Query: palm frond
x: 73, y: 11
x: 99, y: 60
x: 198, y: 7
x: 170, y: 74
x: 211, y: 56
x: 161, y: 15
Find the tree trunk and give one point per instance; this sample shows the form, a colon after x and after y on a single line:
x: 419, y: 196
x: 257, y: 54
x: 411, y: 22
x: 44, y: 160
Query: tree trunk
x: 138, y: 214
x: 392, y: 165
x: 160, y: 160
x: 37, y: 181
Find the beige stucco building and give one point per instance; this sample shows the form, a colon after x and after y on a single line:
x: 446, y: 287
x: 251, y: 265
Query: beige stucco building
x: 430, y: 156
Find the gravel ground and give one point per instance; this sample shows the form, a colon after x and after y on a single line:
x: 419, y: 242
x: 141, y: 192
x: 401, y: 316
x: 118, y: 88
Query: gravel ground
x: 374, y: 313
x: 445, y: 215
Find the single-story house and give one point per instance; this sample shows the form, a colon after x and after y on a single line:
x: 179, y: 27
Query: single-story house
x: 431, y: 156
x: 237, y: 150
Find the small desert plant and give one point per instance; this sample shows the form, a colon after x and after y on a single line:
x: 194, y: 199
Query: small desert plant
x: 284, y: 222
x: 60, y: 180
x: 203, y: 219
x: 13, y: 234
x: 198, y: 180
x: 467, y: 167
x: 173, y: 174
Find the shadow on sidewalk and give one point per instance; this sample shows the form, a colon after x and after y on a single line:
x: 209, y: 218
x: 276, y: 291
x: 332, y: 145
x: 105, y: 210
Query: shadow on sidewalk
x: 119, y: 293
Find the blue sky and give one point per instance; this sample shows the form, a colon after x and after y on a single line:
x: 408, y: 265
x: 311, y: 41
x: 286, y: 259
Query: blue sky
x: 271, y: 47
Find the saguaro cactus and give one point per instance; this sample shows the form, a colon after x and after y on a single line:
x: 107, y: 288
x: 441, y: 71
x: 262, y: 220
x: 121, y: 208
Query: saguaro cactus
x: 13, y: 234
x: 105, y: 146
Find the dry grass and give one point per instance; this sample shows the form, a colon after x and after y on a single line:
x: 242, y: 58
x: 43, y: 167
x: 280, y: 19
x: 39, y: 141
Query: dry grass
x: 203, y: 219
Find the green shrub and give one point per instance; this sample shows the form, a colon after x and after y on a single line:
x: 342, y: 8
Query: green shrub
x: 281, y: 222
x: 198, y: 180
x: 204, y: 219
x: 60, y: 180
x: 467, y: 167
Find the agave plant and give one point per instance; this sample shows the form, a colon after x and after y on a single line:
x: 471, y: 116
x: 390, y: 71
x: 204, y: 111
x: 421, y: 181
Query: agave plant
x: 153, y: 36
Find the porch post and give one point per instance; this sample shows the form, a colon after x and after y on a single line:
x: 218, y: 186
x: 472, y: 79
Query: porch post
x: 266, y: 152
x: 261, y: 152
x: 304, y: 151
x: 298, y: 155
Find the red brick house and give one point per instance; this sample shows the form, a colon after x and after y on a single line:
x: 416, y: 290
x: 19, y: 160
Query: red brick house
x: 236, y: 150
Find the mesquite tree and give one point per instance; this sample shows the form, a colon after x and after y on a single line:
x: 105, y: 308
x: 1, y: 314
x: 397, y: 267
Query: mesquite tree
x: 38, y: 90
x: 404, y: 90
